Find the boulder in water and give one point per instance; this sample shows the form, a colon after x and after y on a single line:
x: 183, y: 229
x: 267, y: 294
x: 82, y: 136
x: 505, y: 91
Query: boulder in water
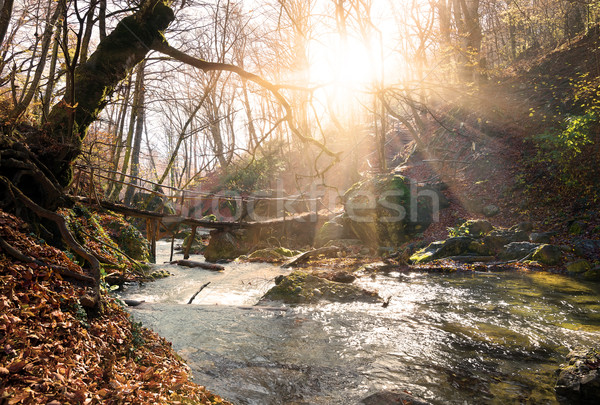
x: 301, y: 287
x: 548, y: 254
x: 579, y: 380
x: 457, y: 246
x: 222, y: 246
x: 578, y: 267
x: 592, y: 274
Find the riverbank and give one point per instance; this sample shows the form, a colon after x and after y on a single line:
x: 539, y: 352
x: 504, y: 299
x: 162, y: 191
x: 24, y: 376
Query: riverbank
x: 54, y: 352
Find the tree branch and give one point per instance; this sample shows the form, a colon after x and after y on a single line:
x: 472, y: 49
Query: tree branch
x: 165, y: 48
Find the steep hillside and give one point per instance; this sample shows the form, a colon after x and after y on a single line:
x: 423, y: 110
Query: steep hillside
x: 526, y: 141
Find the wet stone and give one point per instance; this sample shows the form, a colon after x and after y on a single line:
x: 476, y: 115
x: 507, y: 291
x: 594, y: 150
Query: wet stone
x: 579, y: 380
x: 392, y: 397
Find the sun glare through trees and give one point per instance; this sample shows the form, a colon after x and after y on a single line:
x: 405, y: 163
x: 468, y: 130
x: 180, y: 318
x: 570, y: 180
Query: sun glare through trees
x: 388, y: 201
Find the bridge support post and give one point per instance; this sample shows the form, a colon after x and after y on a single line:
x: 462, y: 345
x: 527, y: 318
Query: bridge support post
x: 152, y: 228
x: 186, y: 252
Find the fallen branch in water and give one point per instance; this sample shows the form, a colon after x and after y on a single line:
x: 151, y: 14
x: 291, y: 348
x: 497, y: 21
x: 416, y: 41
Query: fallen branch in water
x: 306, y: 256
x: 197, y: 292
x: 202, y: 265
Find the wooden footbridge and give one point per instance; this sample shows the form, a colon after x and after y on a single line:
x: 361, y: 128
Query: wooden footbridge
x: 159, y: 224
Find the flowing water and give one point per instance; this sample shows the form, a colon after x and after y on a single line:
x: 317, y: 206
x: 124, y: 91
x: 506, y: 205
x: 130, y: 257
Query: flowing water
x: 462, y: 338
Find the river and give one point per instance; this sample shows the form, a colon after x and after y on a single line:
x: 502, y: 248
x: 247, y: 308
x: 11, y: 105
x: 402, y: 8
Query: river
x: 460, y: 338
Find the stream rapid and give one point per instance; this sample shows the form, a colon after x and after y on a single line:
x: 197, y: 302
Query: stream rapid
x: 459, y: 338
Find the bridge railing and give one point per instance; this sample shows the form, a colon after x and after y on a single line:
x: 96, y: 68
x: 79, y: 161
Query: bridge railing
x: 196, y: 203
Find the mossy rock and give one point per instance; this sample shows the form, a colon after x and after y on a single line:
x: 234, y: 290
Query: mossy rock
x: 329, y: 231
x: 578, y: 267
x: 381, y: 212
x: 577, y: 228
x: 592, y: 274
x: 129, y: 239
x: 152, y: 202
x: 272, y: 255
x: 287, y: 252
x: 223, y: 246
x: 197, y: 244
x: 300, y: 287
x: 474, y: 228
x: 548, y: 254
x: 450, y: 247
x: 158, y: 274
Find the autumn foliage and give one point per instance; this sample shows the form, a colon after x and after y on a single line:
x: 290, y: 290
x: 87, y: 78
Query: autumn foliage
x: 53, y: 352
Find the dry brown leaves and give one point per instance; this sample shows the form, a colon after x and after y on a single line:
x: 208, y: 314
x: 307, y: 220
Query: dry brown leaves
x: 51, y: 352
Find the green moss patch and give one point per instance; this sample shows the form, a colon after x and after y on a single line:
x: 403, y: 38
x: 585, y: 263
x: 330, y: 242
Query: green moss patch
x: 301, y: 287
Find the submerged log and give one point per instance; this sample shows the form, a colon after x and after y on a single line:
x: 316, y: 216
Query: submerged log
x: 202, y: 265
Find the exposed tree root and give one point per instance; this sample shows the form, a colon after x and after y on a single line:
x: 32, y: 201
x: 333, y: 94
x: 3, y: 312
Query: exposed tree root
x: 63, y: 271
x: 17, y: 194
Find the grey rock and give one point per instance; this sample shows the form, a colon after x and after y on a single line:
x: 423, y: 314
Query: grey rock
x: 498, y: 238
x: 588, y: 248
x: 222, y: 246
x: 491, y: 210
x: 541, y: 237
x: 518, y: 250
x: 523, y: 226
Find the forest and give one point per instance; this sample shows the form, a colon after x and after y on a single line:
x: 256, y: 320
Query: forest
x: 191, y: 190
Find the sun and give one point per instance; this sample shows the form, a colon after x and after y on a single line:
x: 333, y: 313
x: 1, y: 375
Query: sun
x: 349, y: 64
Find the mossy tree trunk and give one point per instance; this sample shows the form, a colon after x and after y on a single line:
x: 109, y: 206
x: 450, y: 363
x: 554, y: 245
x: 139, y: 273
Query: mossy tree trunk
x: 95, y: 82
